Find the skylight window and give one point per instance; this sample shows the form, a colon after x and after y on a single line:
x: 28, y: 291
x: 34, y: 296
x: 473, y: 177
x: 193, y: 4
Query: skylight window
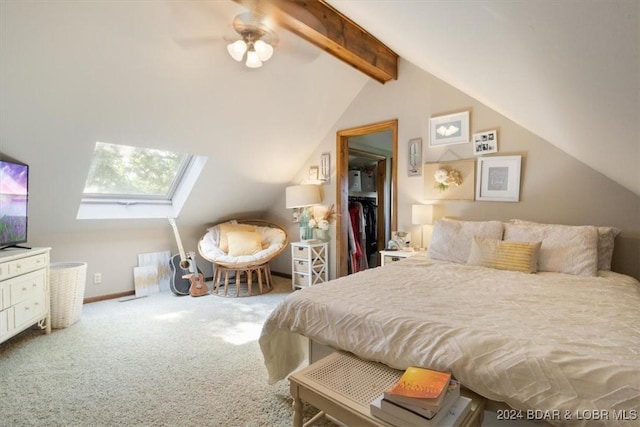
x: 136, y: 182
x: 127, y: 172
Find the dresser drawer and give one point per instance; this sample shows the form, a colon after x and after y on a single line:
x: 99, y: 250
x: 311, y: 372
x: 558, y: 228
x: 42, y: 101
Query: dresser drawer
x: 5, y: 316
x: 26, y: 287
x: 303, y: 266
x: 300, y: 265
x: 300, y: 251
x: 5, y: 296
x: 389, y: 258
x: 21, y: 266
x: 29, y: 311
x: 300, y: 279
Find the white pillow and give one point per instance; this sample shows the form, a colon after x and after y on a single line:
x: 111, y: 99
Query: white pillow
x: 565, y: 248
x: 606, y: 242
x: 451, y: 239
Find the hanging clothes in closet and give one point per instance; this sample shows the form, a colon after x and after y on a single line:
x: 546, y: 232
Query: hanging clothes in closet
x: 363, y: 239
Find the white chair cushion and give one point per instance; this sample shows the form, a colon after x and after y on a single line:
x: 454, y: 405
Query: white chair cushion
x: 273, y: 239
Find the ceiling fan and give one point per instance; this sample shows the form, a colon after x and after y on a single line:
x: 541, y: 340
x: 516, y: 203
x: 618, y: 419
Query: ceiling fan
x: 247, y: 34
x: 255, y: 41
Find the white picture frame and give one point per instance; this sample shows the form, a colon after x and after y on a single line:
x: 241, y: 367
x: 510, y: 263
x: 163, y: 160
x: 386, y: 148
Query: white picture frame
x: 325, y: 167
x: 449, y: 129
x: 313, y: 173
x: 498, y: 179
x: 414, y: 164
x: 485, y: 142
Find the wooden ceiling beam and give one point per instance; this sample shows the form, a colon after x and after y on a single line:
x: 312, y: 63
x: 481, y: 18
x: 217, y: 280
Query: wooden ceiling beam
x: 322, y: 25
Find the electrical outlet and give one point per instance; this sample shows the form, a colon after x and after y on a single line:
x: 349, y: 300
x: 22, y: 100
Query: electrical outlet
x: 97, y: 278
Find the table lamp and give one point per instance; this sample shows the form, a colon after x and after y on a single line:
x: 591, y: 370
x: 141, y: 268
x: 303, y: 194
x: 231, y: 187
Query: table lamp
x: 302, y: 196
x: 422, y: 215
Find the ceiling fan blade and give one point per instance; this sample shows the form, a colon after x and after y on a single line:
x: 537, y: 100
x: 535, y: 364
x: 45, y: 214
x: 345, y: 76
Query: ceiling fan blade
x: 200, y: 23
x: 197, y: 42
x: 217, y: 24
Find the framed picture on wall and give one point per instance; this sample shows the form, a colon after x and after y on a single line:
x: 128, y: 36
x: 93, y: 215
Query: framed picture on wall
x: 313, y: 173
x: 414, y: 167
x: 464, y: 190
x: 485, y: 142
x: 325, y: 167
x: 498, y: 179
x: 449, y: 129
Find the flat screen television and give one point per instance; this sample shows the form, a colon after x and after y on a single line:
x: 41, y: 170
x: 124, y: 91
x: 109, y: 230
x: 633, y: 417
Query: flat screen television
x: 14, y: 202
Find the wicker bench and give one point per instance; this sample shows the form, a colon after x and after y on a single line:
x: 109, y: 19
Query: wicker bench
x: 342, y: 386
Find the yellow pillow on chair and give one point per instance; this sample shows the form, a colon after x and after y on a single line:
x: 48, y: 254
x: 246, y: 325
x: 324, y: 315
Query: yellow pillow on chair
x: 227, y: 228
x: 244, y: 242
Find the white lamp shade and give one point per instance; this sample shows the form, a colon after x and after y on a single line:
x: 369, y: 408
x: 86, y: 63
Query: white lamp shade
x: 237, y: 49
x: 422, y: 214
x: 302, y: 195
x: 253, y: 61
x: 263, y: 49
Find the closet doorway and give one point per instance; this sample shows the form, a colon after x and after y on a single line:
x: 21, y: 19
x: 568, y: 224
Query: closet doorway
x: 370, y: 147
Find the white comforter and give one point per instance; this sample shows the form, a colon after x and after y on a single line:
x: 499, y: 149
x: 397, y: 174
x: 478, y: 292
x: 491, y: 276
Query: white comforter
x: 552, y: 342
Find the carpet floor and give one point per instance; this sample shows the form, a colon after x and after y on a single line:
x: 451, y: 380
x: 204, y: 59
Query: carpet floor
x: 161, y: 360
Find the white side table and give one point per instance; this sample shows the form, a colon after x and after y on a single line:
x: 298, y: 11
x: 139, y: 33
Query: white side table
x: 309, y: 263
x: 390, y: 256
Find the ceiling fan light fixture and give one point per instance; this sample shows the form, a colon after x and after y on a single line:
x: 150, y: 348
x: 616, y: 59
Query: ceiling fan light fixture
x: 257, y: 40
x: 237, y: 49
x: 253, y: 59
x: 263, y: 49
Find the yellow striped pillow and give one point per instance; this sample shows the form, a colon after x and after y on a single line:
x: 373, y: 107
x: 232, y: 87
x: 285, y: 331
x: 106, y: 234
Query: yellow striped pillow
x: 504, y: 255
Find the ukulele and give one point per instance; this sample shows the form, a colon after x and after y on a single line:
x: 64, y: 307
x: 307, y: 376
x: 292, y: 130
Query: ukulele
x: 186, y: 277
x: 197, y: 286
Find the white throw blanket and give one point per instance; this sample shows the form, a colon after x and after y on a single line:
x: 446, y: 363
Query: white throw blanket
x: 546, y: 341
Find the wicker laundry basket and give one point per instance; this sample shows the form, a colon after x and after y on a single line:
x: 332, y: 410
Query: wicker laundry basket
x: 67, y: 281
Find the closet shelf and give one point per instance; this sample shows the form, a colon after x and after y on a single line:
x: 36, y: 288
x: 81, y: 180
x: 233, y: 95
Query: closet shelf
x: 370, y: 194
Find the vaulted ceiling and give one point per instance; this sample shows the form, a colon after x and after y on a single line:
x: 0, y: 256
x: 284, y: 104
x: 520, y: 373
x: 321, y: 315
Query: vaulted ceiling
x: 566, y: 70
x: 157, y: 74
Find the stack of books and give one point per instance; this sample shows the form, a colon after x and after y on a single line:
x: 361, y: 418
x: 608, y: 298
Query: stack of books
x: 422, y: 398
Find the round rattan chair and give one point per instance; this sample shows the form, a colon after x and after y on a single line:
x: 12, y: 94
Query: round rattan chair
x: 215, y: 247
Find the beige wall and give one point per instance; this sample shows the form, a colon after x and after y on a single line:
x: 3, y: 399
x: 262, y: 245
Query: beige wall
x: 555, y: 187
x: 113, y: 252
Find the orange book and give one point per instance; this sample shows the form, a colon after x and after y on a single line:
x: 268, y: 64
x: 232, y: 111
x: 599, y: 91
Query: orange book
x: 421, y: 383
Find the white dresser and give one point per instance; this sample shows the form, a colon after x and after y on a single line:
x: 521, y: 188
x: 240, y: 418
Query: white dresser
x: 24, y: 290
x: 309, y: 263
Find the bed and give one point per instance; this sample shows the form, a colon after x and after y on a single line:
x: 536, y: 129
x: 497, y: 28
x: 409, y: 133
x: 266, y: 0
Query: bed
x: 565, y: 344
